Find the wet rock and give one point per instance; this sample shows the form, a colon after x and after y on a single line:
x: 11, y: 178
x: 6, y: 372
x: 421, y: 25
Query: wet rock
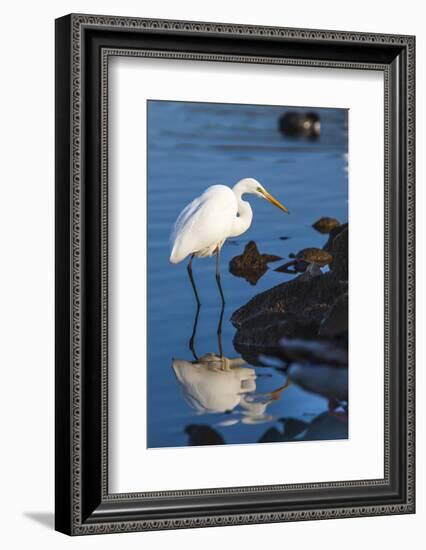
x: 251, y: 265
x: 335, y: 322
x: 294, y: 266
x: 294, y: 309
x: 333, y: 234
x: 312, y: 270
x: 310, y: 312
x: 201, y: 434
x: 292, y: 297
x: 306, y: 257
x: 337, y: 246
x: 325, y: 225
x: 316, y: 256
x: 262, y: 334
x: 296, y: 124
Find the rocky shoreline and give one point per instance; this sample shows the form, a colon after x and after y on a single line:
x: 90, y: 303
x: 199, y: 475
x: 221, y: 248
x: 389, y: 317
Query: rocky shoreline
x: 303, y: 321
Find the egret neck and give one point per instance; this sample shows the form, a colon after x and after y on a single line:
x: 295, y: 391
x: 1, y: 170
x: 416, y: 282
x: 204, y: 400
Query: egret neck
x: 245, y: 214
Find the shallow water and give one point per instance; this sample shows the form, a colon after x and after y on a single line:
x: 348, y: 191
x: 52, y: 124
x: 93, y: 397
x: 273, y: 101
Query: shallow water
x: 190, y: 147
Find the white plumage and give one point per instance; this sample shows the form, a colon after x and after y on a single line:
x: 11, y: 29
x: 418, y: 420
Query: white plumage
x: 220, y: 212
x: 204, y: 225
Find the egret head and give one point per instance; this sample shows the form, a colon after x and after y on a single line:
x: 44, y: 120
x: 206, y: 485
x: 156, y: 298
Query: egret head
x: 251, y: 185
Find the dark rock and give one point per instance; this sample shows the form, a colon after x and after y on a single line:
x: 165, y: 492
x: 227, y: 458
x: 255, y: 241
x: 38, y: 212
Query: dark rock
x: 324, y: 426
x: 294, y: 266
x: 335, y: 322
x: 262, y: 334
x: 333, y: 234
x: 310, y: 312
x: 292, y: 427
x: 312, y: 270
x: 315, y: 255
x: 296, y: 124
x: 337, y: 246
x: 251, y: 265
x: 284, y: 238
x: 327, y: 426
x: 292, y: 297
x: 325, y: 225
x: 294, y: 309
x: 201, y: 434
x: 304, y: 258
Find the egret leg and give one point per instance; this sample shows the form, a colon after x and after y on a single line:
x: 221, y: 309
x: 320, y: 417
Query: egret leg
x: 219, y: 330
x: 218, y: 278
x: 219, y: 326
x: 194, y: 331
x: 191, y: 278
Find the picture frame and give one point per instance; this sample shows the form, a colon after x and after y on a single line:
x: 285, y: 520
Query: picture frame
x: 84, y: 504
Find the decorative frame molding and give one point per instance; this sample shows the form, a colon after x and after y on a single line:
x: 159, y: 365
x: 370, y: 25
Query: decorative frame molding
x: 83, y: 504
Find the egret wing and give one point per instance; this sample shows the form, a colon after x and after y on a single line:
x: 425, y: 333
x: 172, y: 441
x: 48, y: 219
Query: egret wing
x: 204, y: 223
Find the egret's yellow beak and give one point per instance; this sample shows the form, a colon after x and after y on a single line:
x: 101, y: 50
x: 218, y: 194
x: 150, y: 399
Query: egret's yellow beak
x: 274, y: 201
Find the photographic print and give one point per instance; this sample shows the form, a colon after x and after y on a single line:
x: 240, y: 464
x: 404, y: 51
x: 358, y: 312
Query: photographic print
x: 203, y: 196
x: 204, y: 177
x: 247, y: 274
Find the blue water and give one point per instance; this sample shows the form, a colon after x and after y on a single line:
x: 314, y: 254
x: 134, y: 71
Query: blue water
x: 190, y: 147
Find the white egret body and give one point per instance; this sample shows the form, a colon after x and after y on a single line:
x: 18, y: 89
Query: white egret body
x: 220, y: 212
x: 205, y: 224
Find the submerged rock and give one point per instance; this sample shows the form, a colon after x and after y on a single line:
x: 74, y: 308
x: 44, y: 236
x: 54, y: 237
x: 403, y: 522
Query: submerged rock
x: 292, y: 428
x: 324, y: 426
x: 325, y: 225
x: 322, y: 352
x: 251, y: 265
x: 201, y: 434
x: 296, y: 124
x: 327, y: 426
x: 330, y: 382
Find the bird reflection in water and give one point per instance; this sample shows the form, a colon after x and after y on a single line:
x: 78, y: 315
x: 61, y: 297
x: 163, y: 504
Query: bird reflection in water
x: 213, y: 383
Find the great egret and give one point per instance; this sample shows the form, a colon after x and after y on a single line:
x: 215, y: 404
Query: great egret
x: 204, y: 225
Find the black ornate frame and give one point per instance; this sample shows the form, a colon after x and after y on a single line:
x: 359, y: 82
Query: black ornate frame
x: 83, y: 45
